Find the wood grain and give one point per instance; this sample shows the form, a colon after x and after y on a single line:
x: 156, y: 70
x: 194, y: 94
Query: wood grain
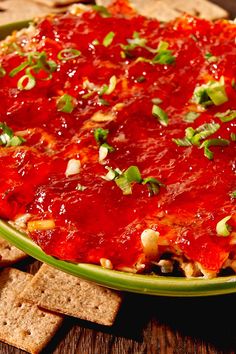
x: 157, y: 325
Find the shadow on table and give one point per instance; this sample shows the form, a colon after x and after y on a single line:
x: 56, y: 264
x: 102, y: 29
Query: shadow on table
x: 209, y: 320
x: 156, y: 322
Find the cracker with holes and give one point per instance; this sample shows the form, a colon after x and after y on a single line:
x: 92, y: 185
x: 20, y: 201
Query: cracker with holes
x: 166, y: 10
x: 200, y: 8
x: 9, y: 254
x: 20, y: 10
x: 56, y: 3
x: 57, y: 291
x: 23, y: 325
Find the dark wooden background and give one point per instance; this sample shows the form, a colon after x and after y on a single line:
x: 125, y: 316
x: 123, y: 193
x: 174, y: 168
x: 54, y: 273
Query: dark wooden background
x: 147, y: 325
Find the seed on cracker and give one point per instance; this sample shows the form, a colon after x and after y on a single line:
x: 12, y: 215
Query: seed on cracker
x: 9, y: 254
x: 23, y: 325
x: 57, y: 291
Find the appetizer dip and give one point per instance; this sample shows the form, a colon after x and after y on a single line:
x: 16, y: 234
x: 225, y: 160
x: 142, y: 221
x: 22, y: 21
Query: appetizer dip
x: 118, y: 140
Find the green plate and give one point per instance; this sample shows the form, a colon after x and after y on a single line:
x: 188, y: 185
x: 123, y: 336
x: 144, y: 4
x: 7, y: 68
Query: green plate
x: 143, y: 284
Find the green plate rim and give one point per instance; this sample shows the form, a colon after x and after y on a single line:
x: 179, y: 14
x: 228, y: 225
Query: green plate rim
x: 135, y: 283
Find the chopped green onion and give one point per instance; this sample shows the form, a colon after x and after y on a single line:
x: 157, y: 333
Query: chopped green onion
x: 124, y: 185
x: 233, y: 136
x: 108, y: 147
x: 211, y: 58
x: 26, y: 82
x: 193, y: 136
x: 212, y: 92
x: 203, y: 131
x: 112, y: 174
x: 190, y: 117
x: 141, y: 79
x: 18, y: 69
x: 212, y: 142
x: 153, y: 185
x: 16, y: 141
x: 103, y: 102
x: 8, y: 138
x: 164, y: 55
x: 129, y: 176
x: 133, y: 43
x: 226, y: 116
x: 68, y: 54
x: 112, y: 85
x: 2, y: 72
x: 125, y: 179
x: 81, y: 188
x: 102, y: 10
x: 108, y: 39
x: 66, y: 103
x: 222, y: 228
x: 132, y: 174
x: 233, y: 194
x: 35, y: 62
x: 6, y: 130
x: 101, y: 135
x: 95, y: 42
x: 161, y: 115
x: 233, y: 83
x: 182, y: 142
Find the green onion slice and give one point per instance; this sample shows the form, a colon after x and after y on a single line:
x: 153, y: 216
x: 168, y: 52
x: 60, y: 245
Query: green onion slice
x: 101, y: 135
x: 210, y: 58
x: 190, y: 117
x: 153, y: 185
x: 108, y: 39
x: 68, y: 54
x: 226, y: 116
x: 161, y: 115
x: 124, y: 180
x: 212, y: 92
x: 110, y: 88
x: 222, y: 228
x: 2, y: 72
x: 164, y: 55
x: 26, y: 82
x: 8, y: 138
x: 233, y: 136
x: 213, y: 142
x: 203, y: 131
x: 18, y: 69
x: 80, y: 187
x: 66, y: 103
x: 233, y: 194
x: 102, y: 10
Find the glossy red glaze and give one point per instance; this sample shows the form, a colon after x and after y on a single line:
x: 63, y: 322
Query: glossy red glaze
x: 101, y: 222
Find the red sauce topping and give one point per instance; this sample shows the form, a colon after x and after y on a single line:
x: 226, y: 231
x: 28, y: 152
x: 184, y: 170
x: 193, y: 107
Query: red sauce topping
x: 93, y: 218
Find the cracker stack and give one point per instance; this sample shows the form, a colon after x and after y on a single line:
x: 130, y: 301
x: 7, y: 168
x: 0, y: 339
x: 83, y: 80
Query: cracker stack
x: 32, y: 308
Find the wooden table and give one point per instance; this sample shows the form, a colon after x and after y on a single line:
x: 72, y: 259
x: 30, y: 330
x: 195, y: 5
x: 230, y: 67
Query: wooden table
x: 147, y: 324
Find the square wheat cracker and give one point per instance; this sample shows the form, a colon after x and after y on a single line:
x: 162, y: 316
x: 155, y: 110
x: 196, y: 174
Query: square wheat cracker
x: 167, y: 10
x: 57, y: 3
x: 20, y: 10
x: 57, y: 291
x: 23, y: 325
x: 10, y: 254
